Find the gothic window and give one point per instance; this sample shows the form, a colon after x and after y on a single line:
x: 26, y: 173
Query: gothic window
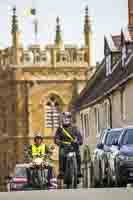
x: 124, y: 55
x: 52, y: 110
x: 108, y: 64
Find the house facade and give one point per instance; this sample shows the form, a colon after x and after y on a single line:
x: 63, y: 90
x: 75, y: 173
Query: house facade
x: 106, y: 102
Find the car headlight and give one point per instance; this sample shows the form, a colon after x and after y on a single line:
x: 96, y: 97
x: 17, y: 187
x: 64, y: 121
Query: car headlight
x: 122, y: 157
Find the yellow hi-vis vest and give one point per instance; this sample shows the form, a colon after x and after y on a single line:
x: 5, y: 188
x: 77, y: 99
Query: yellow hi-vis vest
x: 38, y: 151
x: 68, y: 135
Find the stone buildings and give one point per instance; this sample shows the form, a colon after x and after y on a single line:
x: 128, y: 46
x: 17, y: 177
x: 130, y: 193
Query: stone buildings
x: 36, y: 85
x: 106, y: 102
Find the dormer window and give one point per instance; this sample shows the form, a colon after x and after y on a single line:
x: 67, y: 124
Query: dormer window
x: 124, y: 55
x: 108, y: 64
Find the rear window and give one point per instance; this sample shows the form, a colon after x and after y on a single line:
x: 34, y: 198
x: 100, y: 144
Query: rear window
x: 20, y: 172
x: 128, y: 137
x: 111, y: 136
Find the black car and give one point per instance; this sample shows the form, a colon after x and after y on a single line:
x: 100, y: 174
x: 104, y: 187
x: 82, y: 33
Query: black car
x: 100, y: 161
x: 121, y: 159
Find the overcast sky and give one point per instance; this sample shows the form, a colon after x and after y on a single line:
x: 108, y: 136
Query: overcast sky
x: 108, y: 17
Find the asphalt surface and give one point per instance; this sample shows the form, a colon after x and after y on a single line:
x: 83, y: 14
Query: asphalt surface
x: 79, y: 194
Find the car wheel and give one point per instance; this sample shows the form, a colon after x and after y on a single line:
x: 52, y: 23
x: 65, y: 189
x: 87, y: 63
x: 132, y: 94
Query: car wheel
x: 100, y: 176
x: 119, y: 182
x: 94, y: 182
x: 109, y: 179
x: 90, y: 175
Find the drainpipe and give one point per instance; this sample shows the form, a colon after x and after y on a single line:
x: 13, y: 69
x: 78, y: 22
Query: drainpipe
x: 110, y: 108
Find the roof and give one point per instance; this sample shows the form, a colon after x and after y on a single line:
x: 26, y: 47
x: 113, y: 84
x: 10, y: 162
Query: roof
x: 101, y: 85
x: 117, y: 40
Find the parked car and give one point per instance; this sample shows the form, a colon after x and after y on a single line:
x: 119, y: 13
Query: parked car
x: 100, y: 164
x: 18, y: 180
x: 120, y: 168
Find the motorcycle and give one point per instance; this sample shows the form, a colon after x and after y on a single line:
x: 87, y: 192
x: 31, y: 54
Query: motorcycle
x: 39, y: 175
x: 70, y: 177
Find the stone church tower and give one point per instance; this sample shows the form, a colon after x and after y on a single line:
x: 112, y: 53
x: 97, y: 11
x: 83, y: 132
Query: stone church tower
x: 46, y: 78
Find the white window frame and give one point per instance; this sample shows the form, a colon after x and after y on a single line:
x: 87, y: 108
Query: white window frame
x: 82, y: 125
x: 107, y: 114
x: 108, y: 65
x: 97, y: 120
x: 123, y: 104
x: 124, y: 55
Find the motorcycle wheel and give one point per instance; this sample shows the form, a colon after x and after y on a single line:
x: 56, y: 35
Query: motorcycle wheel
x: 70, y: 178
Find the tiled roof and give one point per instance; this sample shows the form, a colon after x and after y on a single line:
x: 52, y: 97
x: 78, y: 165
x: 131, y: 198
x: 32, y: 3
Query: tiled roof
x: 102, y: 84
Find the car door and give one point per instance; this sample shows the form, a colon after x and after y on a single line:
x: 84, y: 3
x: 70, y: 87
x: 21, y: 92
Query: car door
x: 102, y: 156
x: 114, y: 151
x: 97, y: 158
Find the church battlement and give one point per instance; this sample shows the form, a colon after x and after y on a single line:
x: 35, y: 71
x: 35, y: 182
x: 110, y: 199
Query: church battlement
x: 56, y: 54
x: 43, y: 55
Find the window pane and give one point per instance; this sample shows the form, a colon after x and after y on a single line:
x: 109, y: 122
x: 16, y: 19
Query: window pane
x: 52, y: 118
x: 128, y: 138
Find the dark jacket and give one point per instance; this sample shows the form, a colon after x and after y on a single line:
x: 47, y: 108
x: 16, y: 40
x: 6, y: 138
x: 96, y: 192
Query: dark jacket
x: 72, y: 130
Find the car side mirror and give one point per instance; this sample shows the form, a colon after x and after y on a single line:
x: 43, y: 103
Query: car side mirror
x: 100, y: 146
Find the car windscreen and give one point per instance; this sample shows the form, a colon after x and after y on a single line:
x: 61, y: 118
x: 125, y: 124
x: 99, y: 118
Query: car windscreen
x: 111, y: 136
x: 20, y: 172
x: 128, y: 137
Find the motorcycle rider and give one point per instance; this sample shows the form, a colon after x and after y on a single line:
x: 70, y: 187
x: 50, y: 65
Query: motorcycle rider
x: 38, y: 148
x: 67, y: 134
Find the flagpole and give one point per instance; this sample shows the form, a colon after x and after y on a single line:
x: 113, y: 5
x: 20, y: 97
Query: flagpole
x: 36, y: 30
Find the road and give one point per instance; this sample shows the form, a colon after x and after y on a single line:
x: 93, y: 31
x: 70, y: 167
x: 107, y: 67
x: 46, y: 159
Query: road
x: 79, y: 194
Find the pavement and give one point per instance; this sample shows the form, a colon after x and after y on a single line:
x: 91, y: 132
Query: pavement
x: 78, y: 194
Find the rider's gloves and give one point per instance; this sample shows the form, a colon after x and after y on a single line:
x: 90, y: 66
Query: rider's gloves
x: 74, y: 143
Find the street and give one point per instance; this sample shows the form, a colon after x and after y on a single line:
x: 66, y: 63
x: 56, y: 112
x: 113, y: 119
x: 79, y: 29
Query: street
x: 84, y: 194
